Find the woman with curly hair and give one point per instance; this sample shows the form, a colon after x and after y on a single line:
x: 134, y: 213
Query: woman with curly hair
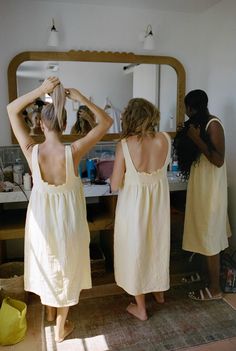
x: 200, y: 149
x: 85, y: 121
x: 142, y: 223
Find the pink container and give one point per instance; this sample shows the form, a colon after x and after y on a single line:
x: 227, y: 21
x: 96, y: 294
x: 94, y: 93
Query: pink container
x: 105, y: 169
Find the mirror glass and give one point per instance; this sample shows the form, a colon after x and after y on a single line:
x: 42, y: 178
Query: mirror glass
x: 110, y: 79
x: 109, y: 85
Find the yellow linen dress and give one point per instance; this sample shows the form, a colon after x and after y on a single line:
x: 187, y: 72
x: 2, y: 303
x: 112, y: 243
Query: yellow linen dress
x: 142, y: 229
x: 206, y: 228
x: 57, y: 264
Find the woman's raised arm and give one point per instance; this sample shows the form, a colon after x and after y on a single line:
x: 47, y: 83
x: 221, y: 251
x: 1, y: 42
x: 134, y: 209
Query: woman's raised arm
x: 15, y: 109
x: 104, y: 122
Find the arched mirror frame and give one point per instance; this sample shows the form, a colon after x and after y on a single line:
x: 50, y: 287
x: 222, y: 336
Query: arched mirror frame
x: 97, y: 56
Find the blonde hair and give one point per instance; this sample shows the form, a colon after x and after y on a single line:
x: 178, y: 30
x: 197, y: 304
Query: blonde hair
x: 140, y: 118
x: 54, y: 114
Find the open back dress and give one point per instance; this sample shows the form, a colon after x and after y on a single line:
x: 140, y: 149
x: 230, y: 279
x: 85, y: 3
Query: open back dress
x: 57, y: 264
x: 142, y: 229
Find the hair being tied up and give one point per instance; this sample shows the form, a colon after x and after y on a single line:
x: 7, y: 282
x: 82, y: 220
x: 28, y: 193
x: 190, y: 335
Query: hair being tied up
x: 54, y: 114
x: 140, y: 118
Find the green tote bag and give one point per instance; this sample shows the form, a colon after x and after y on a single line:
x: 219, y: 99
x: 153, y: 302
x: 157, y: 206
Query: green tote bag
x: 13, y: 323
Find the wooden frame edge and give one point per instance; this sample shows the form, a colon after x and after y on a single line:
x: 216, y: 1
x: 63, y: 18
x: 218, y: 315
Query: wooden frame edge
x: 97, y: 56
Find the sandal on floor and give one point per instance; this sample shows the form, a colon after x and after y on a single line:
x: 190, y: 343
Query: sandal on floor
x: 192, y: 278
x: 200, y: 296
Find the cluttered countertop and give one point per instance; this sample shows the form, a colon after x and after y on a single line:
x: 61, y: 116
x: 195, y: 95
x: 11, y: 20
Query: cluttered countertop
x: 19, y: 194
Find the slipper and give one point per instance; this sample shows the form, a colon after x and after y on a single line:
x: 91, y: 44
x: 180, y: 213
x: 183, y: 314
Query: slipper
x: 192, y: 278
x: 207, y: 297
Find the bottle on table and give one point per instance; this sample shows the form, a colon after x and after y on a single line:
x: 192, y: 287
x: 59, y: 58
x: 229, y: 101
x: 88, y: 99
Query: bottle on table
x: 27, y: 181
x: 91, y: 169
x: 18, y: 171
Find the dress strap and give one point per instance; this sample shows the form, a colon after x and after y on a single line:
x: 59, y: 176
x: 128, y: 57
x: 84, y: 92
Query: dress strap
x: 128, y: 161
x: 216, y: 120
x: 167, y: 161
x: 35, y: 164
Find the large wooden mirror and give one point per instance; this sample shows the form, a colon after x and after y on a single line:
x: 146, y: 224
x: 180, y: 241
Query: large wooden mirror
x: 108, y: 78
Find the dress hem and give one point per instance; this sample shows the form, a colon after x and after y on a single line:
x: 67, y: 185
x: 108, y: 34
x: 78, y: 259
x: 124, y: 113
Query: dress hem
x: 143, y: 292
x: 204, y: 253
x: 68, y: 304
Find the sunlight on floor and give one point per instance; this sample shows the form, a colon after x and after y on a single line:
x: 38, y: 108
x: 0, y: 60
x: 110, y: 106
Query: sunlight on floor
x: 95, y: 343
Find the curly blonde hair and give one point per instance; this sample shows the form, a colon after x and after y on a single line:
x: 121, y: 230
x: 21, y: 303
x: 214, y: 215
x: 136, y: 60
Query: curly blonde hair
x: 139, y: 118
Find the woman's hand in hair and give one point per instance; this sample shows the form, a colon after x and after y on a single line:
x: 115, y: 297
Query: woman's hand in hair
x: 74, y: 94
x: 49, y: 84
x: 18, y: 124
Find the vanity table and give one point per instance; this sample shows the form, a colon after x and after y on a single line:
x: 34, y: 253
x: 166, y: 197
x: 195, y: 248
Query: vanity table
x: 13, y: 221
x: 100, y: 208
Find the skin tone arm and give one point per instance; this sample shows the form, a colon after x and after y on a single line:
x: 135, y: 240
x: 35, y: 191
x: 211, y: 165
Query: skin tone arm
x: 82, y: 146
x: 118, y: 173
x: 18, y: 125
x: 216, y: 135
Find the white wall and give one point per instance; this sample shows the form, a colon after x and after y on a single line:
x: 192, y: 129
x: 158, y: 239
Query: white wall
x: 25, y: 25
x: 219, y: 44
x: 204, y: 43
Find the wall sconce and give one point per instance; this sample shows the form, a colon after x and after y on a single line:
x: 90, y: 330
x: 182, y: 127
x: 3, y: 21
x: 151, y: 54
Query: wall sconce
x: 147, y: 38
x: 53, y: 39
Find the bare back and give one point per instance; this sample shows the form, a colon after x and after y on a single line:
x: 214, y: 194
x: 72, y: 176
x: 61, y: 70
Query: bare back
x: 149, y: 154
x: 52, y: 163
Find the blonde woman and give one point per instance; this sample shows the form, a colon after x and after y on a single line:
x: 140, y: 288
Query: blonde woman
x: 142, y: 223
x: 57, y: 265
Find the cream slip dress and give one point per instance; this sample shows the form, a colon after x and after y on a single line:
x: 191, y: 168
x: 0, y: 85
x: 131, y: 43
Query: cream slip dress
x: 142, y: 229
x: 57, y: 263
x: 206, y: 227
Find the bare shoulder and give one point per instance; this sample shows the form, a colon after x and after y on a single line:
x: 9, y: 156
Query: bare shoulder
x: 131, y: 139
x: 215, y: 132
x: 214, y: 123
x: 162, y: 138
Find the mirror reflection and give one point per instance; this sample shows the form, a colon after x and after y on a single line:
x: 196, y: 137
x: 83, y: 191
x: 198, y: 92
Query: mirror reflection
x: 109, y: 85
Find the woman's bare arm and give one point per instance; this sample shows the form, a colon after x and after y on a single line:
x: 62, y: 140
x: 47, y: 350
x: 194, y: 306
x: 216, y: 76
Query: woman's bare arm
x: 18, y: 125
x: 118, y: 173
x: 215, y: 132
